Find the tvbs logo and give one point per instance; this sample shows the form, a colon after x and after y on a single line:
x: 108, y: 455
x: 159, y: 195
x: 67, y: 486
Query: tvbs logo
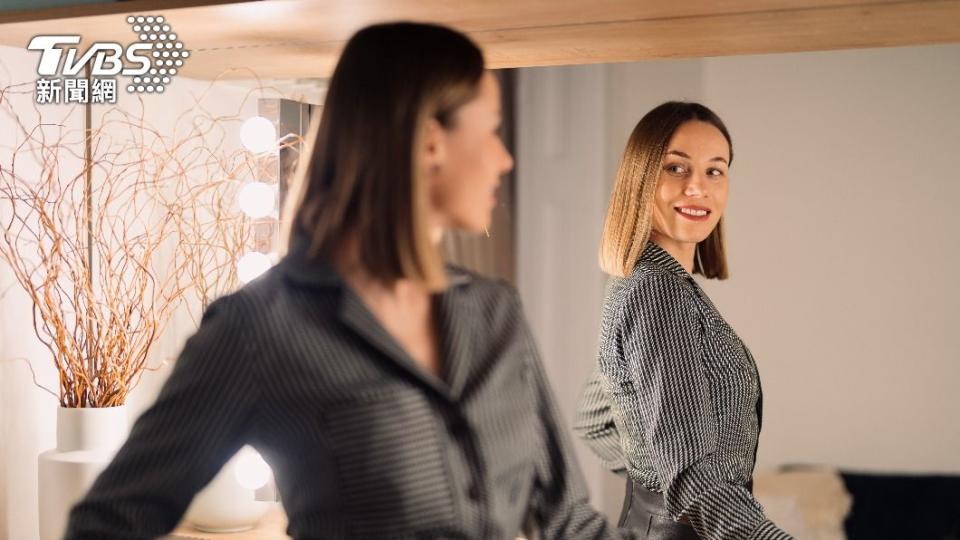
x: 106, y: 57
x: 150, y: 63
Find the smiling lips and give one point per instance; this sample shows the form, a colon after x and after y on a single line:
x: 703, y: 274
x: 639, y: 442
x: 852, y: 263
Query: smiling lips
x: 693, y: 213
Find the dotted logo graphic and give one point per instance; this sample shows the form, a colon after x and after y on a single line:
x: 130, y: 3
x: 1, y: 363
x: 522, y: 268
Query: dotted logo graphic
x: 167, y: 53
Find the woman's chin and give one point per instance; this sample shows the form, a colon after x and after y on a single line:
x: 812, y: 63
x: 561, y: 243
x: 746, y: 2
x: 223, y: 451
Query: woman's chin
x: 476, y: 228
x: 693, y: 233
x: 681, y: 237
x: 474, y: 225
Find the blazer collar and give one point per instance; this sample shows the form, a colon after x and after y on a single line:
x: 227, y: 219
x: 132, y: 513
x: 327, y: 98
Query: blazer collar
x: 455, y: 315
x: 321, y: 273
x: 655, y: 255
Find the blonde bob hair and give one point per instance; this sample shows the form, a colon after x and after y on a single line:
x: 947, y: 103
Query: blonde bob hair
x: 626, y: 228
x: 360, y: 177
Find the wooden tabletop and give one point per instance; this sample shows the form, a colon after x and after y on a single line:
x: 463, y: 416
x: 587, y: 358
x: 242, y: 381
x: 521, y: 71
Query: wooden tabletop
x: 271, y: 527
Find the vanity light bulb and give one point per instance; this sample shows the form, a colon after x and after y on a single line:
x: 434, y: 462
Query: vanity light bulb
x: 257, y: 199
x: 258, y: 135
x: 251, y: 471
x: 252, y: 265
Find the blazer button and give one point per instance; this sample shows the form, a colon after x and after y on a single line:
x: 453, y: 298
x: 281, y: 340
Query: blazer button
x: 459, y: 428
x: 473, y: 492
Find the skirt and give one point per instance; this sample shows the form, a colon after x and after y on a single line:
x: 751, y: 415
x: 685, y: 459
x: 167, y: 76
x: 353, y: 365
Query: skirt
x: 645, y: 513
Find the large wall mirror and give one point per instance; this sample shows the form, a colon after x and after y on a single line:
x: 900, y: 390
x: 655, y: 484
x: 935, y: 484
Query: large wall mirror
x: 841, y: 249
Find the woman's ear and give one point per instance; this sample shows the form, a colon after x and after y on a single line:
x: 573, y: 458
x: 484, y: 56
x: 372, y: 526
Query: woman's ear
x: 433, y: 152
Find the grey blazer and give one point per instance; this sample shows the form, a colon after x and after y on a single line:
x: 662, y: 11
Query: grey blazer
x: 362, y: 442
x: 675, y: 401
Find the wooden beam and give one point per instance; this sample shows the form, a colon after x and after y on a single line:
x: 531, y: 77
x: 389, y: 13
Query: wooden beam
x: 303, y: 38
x: 114, y: 8
x: 781, y: 31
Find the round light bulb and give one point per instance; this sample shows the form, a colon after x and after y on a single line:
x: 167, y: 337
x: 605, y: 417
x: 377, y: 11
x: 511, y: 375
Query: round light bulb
x: 258, y: 135
x: 257, y: 199
x: 251, y: 471
x: 252, y: 265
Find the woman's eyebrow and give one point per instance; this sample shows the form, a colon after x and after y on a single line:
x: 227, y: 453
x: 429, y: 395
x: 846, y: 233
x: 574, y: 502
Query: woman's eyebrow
x: 687, y: 156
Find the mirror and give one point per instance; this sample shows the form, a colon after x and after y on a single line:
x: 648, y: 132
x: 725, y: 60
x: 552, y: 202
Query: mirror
x: 840, y: 240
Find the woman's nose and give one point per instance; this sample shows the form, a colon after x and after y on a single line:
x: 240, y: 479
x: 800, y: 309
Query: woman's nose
x: 507, y: 160
x: 694, y: 185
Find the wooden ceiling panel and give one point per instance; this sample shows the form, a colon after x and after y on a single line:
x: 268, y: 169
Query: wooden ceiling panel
x: 895, y: 24
x: 302, y: 38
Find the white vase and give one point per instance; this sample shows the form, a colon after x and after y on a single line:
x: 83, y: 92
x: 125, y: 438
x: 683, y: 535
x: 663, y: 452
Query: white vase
x: 87, y: 439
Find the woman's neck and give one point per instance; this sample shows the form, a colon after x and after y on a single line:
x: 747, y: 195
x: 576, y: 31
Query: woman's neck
x: 683, y: 252
x: 403, y: 307
x: 347, y: 262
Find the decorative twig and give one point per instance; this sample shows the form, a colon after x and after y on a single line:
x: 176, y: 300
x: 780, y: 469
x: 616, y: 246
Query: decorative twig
x: 112, y: 227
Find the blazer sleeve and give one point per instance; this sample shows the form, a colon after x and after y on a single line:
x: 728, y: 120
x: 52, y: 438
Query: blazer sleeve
x: 662, y: 342
x: 594, y: 424
x: 201, y: 417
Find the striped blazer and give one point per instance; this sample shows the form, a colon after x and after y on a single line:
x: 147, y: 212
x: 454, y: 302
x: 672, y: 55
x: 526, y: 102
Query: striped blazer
x: 363, y: 443
x: 675, y: 401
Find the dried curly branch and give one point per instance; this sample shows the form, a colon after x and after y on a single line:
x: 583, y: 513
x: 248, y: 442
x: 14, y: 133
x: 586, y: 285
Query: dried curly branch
x: 109, y: 229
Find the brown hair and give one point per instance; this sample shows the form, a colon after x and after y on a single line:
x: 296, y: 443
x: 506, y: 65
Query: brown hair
x: 361, y: 175
x: 626, y: 228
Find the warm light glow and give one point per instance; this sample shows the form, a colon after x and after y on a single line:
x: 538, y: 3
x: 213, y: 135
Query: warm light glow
x: 252, y: 265
x: 258, y: 135
x: 251, y: 471
x: 257, y: 199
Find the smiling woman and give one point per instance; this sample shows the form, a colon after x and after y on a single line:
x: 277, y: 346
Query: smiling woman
x: 673, y: 169
x: 675, y: 402
x: 692, y: 193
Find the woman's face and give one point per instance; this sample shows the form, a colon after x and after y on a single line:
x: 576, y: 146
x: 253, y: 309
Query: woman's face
x: 465, y: 162
x: 692, y: 189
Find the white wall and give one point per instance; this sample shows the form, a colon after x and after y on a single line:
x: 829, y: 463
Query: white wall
x: 25, y: 410
x: 27, y: 414
x: 845, y: 251
x: 561, y: 149
x: 842, y: 245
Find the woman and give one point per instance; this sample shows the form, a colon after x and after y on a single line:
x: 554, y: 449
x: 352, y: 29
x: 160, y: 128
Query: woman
x: 675, y: 402
x: 393, y: 396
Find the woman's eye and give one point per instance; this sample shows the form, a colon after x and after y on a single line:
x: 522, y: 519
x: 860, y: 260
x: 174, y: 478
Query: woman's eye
x: 715, y: 172
x: 676, y: 169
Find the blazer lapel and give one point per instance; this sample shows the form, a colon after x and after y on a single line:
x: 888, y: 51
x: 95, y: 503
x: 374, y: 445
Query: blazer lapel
x: 355, y: 315
x: 457, y: 320
x: 455, y: 315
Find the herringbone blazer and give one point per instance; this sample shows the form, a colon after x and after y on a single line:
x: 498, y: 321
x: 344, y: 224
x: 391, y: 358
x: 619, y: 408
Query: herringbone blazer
x: 676, y: 402
x: 363, y: 443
